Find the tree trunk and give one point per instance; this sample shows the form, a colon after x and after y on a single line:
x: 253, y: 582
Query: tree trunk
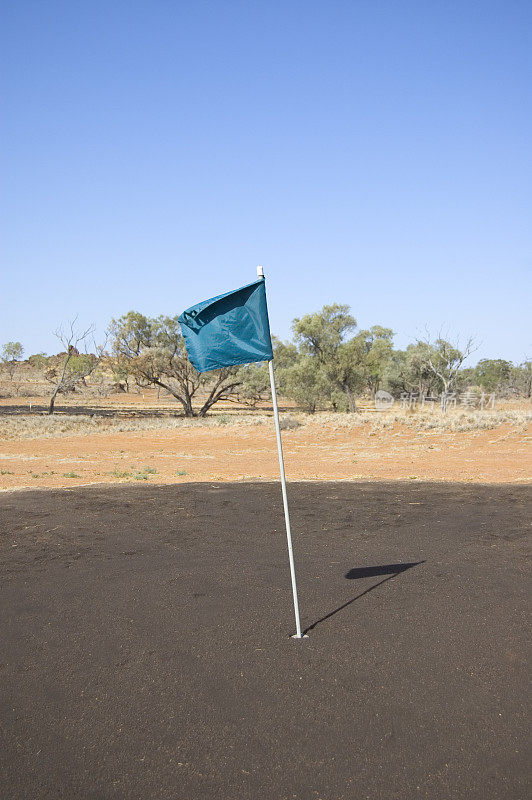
x: 445, y: 392
x: 186, y: 402
x: 217, y: 393
x: 52, y: 402
x: 351, y: 400
x: 185, y: 399
x: 189, y: 411
x: 60, y: 382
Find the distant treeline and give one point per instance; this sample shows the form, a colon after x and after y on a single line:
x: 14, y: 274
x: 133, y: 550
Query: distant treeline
x: 328, y: 364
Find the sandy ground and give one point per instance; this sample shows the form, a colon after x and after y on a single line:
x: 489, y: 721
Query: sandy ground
x: 230, y: 453
x: 146, y: 649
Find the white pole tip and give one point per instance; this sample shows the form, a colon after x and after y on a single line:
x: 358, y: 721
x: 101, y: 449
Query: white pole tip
x: 260, y: 272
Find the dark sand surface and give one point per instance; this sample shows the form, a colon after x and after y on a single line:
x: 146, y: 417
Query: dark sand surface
x: 146, y: 650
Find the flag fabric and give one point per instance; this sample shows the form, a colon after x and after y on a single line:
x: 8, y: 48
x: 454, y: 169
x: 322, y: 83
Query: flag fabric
x: 230, y: 329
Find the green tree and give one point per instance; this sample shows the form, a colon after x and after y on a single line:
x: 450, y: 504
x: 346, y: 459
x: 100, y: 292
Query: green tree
x: 348, y: 372
x: 38, y: 361
x: 466, y: 379
x: 152, y: 350
x: 492, y: 373
x: 285, y: 354
x: 120, y: 374
x: 362, y: 361
x: 254, y: 383
x: 377, y: 353
x: 300, y: 376
x: 520, y: 379
x: 306, y: 382
x: 349, y: 365
x: 408, y: 371
x: 322, y: 336
x: 12, y: 353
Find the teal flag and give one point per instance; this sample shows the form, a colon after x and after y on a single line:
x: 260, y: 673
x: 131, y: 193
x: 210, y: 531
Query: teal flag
x: 232, y: 328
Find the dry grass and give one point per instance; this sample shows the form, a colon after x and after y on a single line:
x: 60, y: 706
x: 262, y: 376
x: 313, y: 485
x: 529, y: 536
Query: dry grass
x: 28, y: 426
x: 455, y: 421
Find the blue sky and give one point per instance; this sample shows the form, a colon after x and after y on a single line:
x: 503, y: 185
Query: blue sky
x: 372, y: 153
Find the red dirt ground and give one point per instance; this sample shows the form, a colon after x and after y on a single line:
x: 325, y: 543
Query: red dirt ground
x: 229, y: 453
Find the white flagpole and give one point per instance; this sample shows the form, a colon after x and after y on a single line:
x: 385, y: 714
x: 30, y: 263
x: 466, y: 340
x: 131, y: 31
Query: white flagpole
x: 298, y: 634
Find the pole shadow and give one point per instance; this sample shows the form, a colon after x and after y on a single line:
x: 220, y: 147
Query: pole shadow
x: 389, y: 570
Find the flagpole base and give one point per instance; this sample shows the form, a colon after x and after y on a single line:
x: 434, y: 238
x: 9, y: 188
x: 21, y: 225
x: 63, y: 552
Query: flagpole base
x: 303, y: 636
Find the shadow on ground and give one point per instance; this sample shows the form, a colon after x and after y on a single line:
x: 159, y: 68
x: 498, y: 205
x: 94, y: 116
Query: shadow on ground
x: 119, y: 412
x: 390, y: 570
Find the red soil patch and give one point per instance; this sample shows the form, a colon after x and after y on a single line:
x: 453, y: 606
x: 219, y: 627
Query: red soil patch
x: 230, y: 453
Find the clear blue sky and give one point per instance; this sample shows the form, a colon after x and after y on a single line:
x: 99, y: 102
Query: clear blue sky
x: 373, y: 153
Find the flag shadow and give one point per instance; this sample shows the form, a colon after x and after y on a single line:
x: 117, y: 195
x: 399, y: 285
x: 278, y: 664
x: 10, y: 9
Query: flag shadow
x: 389, y: 570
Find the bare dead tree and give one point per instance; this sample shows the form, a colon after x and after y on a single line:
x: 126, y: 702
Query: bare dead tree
x: 75, y: 366
x: 444, y: 359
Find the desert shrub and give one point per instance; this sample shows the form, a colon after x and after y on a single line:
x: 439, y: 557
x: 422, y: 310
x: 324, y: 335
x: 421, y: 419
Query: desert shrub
x: 289, y: 423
